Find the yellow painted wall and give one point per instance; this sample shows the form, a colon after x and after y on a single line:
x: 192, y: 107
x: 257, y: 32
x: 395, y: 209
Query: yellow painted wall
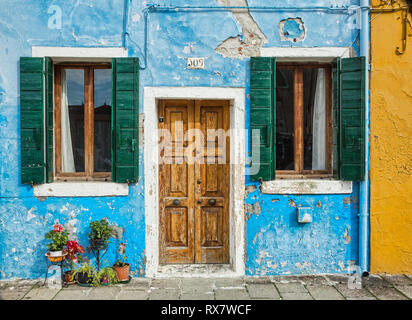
x: 391, y: 146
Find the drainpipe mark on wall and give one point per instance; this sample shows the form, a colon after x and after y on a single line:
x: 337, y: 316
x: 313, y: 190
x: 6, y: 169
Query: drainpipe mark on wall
x: 253, y: 37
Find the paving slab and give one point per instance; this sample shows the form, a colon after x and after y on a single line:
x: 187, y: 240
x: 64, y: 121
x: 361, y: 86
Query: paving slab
x: 386, y: 293
x: 397, y: 279
x: 406, y: 290
x: 164, y: 294
x: 140, y: 284
x: 263, y: 291
x: 258, y: 279
x: 230, y: 283
x: 354, y: 294
x: 324, y: 292
x: 231, y: 294
x: 337, y: 279
x: 374, y: 281
x: 14, y: 290
x: 165, y: 283
x: 73, y: 294
x: 104, y: 293
x: 132, y: 295
x: 290, y: 287
x: 197, y: 296
x: 197, y: 281
x: 197, y: 285
x: 312, y: 280
x: 42, y: 293
x: 296, y: 296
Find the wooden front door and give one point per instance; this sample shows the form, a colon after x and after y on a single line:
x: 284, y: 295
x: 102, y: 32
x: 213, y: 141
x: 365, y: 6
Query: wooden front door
x: 194, y: 150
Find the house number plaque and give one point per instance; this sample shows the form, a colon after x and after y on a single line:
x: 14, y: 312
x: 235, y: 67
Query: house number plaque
x: 195, y: 63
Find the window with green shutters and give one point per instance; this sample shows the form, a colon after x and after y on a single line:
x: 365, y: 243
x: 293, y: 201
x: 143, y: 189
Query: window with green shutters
x: 307, y: 119
x: 96, y: 111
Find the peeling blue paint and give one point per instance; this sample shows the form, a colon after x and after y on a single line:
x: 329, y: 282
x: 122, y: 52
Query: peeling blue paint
x: 279, y: 245
x: 276, y: 243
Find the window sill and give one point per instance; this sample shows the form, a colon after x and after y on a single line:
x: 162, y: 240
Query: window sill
x: 306, y: 186
x: 81, y: 189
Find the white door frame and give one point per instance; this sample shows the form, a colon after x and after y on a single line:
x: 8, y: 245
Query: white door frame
x: 236, y: 96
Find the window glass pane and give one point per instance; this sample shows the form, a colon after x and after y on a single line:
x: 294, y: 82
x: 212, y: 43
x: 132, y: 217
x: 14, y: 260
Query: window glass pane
x: 72, y: 120
x: 284, y: 119
x: 314, y: 130
x: 102, y: 120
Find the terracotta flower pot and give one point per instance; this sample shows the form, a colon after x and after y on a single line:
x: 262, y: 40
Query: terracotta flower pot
x: 122, y: 272
x: 69, y: 278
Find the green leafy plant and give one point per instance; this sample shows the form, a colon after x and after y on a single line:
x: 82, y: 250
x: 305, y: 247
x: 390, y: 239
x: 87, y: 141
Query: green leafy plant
x: 58, y: 236
x: 87, y: 268
x: 106, y: 276
x: 100, y: 230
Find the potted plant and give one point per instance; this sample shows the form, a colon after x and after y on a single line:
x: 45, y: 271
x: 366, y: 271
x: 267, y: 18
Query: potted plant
x: 59, y: 238
x: 99, y: 235
x: 84, y: 274
x: 73, y: 254
x: 107, y: 276
x: 121, y: 266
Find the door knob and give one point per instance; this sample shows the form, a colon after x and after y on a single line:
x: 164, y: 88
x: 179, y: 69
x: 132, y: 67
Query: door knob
x: 199, y: 201
x: 176, y: 202
x: 212, y: 202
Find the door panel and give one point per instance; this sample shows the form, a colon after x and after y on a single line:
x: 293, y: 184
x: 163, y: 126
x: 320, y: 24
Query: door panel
x: 212, y: 171
x: 176, y: 228
x: 194, y: 193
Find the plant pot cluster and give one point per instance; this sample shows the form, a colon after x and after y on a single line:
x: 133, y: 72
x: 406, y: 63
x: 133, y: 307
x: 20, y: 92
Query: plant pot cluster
x: 61, y: 248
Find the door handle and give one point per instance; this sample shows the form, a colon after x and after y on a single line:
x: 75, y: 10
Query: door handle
x: 176, y: 202
x: 212, y: 202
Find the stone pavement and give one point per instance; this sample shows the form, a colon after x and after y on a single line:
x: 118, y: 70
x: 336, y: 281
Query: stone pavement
x: 324, y: 287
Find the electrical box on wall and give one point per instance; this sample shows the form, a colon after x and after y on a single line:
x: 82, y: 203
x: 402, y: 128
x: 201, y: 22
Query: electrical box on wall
x: 304, y: 214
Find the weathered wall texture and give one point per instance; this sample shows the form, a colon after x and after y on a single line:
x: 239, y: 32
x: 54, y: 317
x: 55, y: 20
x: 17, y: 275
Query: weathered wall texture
x: 278, y: 244
x: 391, y: 147
x: 275, y: 243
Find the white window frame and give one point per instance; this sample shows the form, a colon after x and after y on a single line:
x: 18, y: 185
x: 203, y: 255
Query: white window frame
x: 80, y: 188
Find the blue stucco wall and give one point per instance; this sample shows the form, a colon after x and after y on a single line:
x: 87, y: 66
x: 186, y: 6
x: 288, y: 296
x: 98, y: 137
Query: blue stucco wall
x: 275, y: 243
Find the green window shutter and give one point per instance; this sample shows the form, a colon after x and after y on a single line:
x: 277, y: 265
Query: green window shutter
x: 49, y: 120
x: 32, y: 120
x: 262, y: 116
x: 125, y: 120
x: 335, y: 118
x: 352, y: 118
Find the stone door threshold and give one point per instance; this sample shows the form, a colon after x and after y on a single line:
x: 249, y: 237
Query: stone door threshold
x: 196, y: 270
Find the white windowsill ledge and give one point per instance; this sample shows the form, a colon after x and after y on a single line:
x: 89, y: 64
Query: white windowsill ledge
x: 81, y: 189
x: 307, y: 186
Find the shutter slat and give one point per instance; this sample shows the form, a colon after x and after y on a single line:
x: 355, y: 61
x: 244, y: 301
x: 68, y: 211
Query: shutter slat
x: 32, y: 120
x: 125, y: 120
x: 49, y: 120
x: 262, y: 113
x: 336, y: 119
x: 352, y: 118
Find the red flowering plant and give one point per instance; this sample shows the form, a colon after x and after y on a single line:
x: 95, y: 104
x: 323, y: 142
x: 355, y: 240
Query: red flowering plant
x: 73, y: 252
x: 58, y: 236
